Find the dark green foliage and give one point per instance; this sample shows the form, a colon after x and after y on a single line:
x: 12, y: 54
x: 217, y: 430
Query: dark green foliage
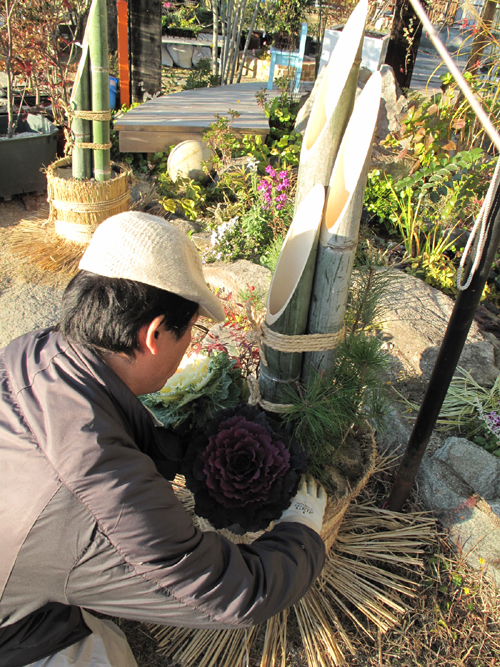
x: 324, y: 414
x: 201, y: 76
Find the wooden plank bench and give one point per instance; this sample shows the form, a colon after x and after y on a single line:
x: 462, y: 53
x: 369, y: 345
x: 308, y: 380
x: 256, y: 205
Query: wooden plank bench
x: 165, y: 121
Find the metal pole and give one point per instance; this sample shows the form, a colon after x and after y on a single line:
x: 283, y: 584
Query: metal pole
x: 446, y: 363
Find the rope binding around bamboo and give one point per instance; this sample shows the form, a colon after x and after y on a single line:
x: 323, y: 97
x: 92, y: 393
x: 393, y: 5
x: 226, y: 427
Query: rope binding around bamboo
x: 77, y: 207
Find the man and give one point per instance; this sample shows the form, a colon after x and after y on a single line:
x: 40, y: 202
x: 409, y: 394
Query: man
x: 88, y: 518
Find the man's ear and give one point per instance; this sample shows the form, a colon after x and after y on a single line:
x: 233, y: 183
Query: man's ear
x: 148, y: 335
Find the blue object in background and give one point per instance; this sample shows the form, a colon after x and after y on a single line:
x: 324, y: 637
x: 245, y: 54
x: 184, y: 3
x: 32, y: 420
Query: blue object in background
x: 113, y: 83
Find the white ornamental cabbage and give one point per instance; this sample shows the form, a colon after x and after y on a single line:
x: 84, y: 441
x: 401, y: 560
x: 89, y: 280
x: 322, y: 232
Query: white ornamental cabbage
x: 191, y: 376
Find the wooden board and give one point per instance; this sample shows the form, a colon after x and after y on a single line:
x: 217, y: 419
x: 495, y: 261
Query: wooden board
x: 168, y: 120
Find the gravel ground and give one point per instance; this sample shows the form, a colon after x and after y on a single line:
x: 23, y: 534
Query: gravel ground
x: 29, y: 299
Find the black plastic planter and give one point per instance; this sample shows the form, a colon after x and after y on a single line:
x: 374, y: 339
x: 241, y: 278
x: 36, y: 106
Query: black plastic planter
x: 21, y: 158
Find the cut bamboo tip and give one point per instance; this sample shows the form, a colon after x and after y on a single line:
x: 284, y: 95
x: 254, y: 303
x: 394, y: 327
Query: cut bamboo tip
x: 334, y: 81
x: 351, y: 157
x: 299, y: 241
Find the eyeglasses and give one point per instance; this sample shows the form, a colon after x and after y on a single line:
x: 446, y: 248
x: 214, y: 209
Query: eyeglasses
x: 200, y: 327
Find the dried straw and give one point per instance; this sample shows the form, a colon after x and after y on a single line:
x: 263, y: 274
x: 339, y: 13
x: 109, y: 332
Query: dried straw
x: 83, y: 204
x: 76, y: 209
x: 357, y: 582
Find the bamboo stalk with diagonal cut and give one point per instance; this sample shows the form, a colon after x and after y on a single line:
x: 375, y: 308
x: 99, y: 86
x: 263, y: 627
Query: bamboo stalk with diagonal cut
x: 340, y: 227
x: 332, y: 107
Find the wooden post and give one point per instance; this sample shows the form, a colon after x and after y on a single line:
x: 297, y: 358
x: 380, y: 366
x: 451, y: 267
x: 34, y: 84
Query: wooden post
x: 340, y: 227
x: 404, y: 41
x: 289, y: 295
x: 145, y: 48
x: 123, y: 55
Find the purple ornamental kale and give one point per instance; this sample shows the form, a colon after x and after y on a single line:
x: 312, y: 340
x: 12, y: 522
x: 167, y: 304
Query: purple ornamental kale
x: 243, y: 469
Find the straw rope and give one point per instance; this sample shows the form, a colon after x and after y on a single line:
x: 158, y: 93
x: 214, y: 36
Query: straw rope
x: 90, y: 145
x: 90, y: 115
x: 255, y: 398
x: 263, y: 335
x: 89, y: 207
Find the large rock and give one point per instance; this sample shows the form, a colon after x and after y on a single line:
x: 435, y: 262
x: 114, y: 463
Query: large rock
x: 472, y: 526
x: 166, y: 58
x: 187, y: 158
x: 474, y: 465
x: 415, y: 319
x: 201, y: 53
x: 236, y: 277
x: 182, y: 54
x: 393, y: 104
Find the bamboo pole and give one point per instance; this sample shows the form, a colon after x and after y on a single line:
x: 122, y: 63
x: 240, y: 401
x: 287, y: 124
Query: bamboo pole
x: 229, y: 23
x: 81, y: 129
x: 98, y: 46
x: 238, y: 39
x: 215, y: 36
x: 289, y: 294
x: 340, y: 226
x: 249, y: 37
x: 223, y: 13
x: 230, y: 50
x: 332, y: 106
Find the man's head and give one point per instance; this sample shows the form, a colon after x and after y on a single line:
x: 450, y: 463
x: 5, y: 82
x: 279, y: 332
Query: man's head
x: 108, y: 313
x: 140, y: 289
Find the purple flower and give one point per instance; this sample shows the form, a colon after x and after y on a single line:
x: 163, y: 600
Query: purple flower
x: 242, y: 469
x: 270, y: 171
x: 282, y: 174
x: 286, y: 183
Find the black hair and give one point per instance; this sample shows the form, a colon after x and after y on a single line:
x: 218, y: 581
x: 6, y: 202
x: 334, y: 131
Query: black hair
x: 107, y: 313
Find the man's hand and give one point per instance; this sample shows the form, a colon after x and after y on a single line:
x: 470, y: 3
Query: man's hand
x: 308, y: 506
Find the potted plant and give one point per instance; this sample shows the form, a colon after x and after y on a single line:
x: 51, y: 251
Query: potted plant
x: 36, y: 55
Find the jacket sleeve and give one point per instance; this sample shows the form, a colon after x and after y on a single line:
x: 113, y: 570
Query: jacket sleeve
x: 154, y: 565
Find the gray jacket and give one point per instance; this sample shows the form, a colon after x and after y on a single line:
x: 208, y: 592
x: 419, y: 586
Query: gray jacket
x: 87, y: 519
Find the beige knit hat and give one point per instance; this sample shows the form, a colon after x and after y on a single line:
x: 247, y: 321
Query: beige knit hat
x: 142, y: 247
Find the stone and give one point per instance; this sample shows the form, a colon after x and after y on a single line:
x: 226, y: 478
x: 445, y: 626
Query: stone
x: 441, y: 489
x: 474, y: 465
x: 181, y: 54
x: 448, y: 484
x: 415, y: 319
x: 187, y: 158
x: 166, y: 58
x: 393, y: 104
x: 238, y: 276
x: 186, y: 226
x: 202, y: 240
x: 475, y: 535
x: 478, y: 358
x: 201, y: 53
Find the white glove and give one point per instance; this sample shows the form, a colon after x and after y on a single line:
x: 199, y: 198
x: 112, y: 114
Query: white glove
x: 308, y: 506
